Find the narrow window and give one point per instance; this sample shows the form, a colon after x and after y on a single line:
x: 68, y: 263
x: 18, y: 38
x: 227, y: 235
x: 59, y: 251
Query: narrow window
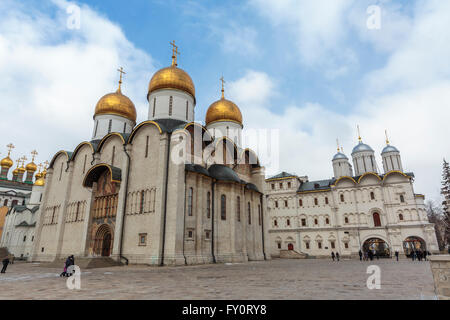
x: 146, y: 147
x: 84, y: 164
x: 316, y: 202
x: 223, y: 207
x: 332, y: 245
x: 24, y: 238
x: 288, y: 222
x: 141, y: 202
x: 60, y: 172
x: 154, y: 106
x: 190, y: 234
x: 190, y: 196
x: 249, y: 214
x: 372, y: 196
x: 346, y: 220
x: 78, y: 211
x: 187, y: 110
x: 5, y: 203
x: 207, y: 235
x: 303, y: 222
x: 208, y: 205
x: 124, y: 127
x: 326, y: 200
x: 342, y: 198
x: 259, y: 214
x: 289, y: 185
x: 316, y: 221
x: 327, y: 221
x: 53, y: 214
x: 285, y: 203
x: 170, y: 105
x: 113, y: 155
x: 319, y: 245
x: 275, y: 222
x: 346, y: 245
x: 279, y: 245
x: 276, y: 204
x: 96, y: 127
x: 300, y: 202
x: 281, y: 186
x: 142, y: 239
x: 238, y: 208
x: 273, y: 186
x: 376, y: 219
x: 400, y: 217
x: 402, y: 198
x: 109, y: 126
x: 307, y: 245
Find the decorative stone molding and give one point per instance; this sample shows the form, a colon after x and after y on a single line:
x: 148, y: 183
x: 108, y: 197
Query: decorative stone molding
x: 440, y: 267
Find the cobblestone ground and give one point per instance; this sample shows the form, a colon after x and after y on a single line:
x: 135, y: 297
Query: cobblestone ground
x: 276, y: 279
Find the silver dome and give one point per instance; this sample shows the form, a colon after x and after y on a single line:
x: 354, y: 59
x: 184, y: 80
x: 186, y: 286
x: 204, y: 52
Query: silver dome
x: 389, y: 148
x: 339, y: 156
x: 360, y: 147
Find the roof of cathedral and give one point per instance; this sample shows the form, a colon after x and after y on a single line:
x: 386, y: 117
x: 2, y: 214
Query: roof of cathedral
x: 282, y: 176
x: 340, y: 155
x: 26, y: 224
x: 360, y: 147
x: 389, y: 148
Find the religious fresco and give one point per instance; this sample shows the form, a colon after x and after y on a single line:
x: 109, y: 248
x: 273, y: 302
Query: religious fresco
x: 377, y: 246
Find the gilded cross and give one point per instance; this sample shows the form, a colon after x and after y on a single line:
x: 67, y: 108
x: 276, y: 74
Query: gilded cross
x: 40, y: 167
x: 387, y: 139
x: 175, y: 53
x: 10, y: 147
x: 34, y: 154
x: 223, y: 89
x: 46, y: 163
x: 121, y: 74
x: 338, y: 148
x: 359, y: 134
x: 23, y: 160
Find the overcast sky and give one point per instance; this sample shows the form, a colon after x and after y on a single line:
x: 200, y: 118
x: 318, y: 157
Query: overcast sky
x: 311, y: 69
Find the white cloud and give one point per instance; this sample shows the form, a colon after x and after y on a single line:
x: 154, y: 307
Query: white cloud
x: 52, y: 77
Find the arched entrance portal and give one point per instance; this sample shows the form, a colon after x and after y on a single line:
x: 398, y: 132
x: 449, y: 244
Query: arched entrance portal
x: 103, y: 241
x: 377, y: 246
x: 413, y: 243
x: 290, y: 246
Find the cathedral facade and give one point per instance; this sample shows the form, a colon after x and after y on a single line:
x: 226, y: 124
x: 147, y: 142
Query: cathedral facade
x: 166, y: 191
x: 358, y: 209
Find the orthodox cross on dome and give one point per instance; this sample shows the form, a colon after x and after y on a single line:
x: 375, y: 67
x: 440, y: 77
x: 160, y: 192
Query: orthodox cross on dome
x: 338, y: 148
x: 40, y: 167
x: 387, y: 139
x: 46, y: 163
x: 223, y: 89
x: 175, y: 53
x: 359, y: 134
x: 10, y: 147
x: 23, y: 159
x: 120, y: 80
x: 34, y: 154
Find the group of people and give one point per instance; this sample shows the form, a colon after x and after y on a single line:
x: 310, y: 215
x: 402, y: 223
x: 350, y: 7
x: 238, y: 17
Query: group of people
x: 335, y: 256
x: 419, y: 255
x: 368, y: 255
x: 70, y: 261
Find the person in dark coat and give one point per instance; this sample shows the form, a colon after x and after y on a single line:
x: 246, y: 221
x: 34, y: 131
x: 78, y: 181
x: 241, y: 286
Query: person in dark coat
x: 360, y: 255
x: 396, y: 255
x: 370, y: 255
x: 425, y: 255
x: 5, y: 264
x: 332, y: 255
x: 337, y: 256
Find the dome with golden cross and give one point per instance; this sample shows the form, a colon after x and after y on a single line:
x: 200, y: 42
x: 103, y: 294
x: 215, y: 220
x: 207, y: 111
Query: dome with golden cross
x: 223, y: 110
x: 172, y: 77
x: 40, y: 182
x: 7, y: 161
x: 32, y: 167
x: 116, y: 103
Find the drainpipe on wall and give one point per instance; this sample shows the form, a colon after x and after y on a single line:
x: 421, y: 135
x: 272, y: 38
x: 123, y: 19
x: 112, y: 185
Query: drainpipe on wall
x: 262, y: 224
x: 213, y: 184
x: 124, y: 205
x: 184, y: 217
x: 166, y: 187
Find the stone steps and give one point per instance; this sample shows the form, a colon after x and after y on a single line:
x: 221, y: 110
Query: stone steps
x: 292, y: 254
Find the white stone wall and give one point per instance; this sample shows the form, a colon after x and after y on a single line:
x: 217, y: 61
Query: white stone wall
x: 118, y: 124
x: 392, y: 161
x: 363, y: 162
x: 229, y: 129
x: 341, y: 168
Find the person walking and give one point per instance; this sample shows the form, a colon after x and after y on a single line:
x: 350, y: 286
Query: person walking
x: 332, y: 255
x: 425, y: 255
x: 5, y: 264
x: 360, y: 255
x: 413, y: 255
x: 396, y: 255
x: 366, y: 256
x: 370, y: 255
x: 337, y: 256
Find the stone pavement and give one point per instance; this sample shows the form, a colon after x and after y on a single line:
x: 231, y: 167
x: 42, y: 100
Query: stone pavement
x: 276, y: 279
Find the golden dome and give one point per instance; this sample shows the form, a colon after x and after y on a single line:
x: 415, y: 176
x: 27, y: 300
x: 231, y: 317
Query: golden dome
x: 40, y: 182
x: 223, y: 110
x: 6, y: 163
x: 39, y: 175
x: 21, y: 170
x: 16, y: 171
x: 172, y: 78
x: 118, y: 104
x: 31, y: 167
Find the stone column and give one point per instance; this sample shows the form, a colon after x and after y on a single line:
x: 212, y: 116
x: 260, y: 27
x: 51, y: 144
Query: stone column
x: 440, y: 267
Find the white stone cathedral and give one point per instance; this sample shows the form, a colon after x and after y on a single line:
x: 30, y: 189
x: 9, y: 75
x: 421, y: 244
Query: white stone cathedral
x: 123, y: 195
x: 355, y: 210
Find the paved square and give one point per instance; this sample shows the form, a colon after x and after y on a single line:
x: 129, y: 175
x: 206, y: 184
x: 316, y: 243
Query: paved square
x: 276, y: 279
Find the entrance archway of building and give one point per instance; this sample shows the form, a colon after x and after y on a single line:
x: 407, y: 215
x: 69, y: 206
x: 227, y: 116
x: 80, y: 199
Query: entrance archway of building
x: 103, y: 241
x: 290, y: 246
x: 413, y: 243
x: 377, y: 246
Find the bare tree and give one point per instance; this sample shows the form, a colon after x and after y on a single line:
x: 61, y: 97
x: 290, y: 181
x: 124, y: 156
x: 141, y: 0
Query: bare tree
x: 436, y: 216
x: 445, y: 191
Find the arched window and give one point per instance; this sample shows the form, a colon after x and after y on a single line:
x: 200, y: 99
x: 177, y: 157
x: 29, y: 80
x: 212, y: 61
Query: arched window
x: 223, y: 207
x: 376, y: 219
x: 5, y: 203
x: 289, y: 185
x: 276, y: 204
x: 238, y: 208
x: 342, y: 198
x: 316, y: 221
x: 286, y: 203
x: 372, y: 196
x: 300, y: 202
x: 327, y: 221
x: 288, y: 222
x: 275, y: 222
x: 208, y: 205
x: 190, y: 196
x: 402, y: 198
x: 400, y: 217
x: 346, y: 219
x: 316, y: 202
x: 249, y: 209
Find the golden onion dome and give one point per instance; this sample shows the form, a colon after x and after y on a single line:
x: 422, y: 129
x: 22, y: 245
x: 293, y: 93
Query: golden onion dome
x: 21, y: 169
x: 31, y: 167
x: 38, y: 175
x: 6, y: 162
x: 172, y: 78
x: 223, y: 110
x: 16, y: 171
x: 40, y: 182
x: 117, y: 104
